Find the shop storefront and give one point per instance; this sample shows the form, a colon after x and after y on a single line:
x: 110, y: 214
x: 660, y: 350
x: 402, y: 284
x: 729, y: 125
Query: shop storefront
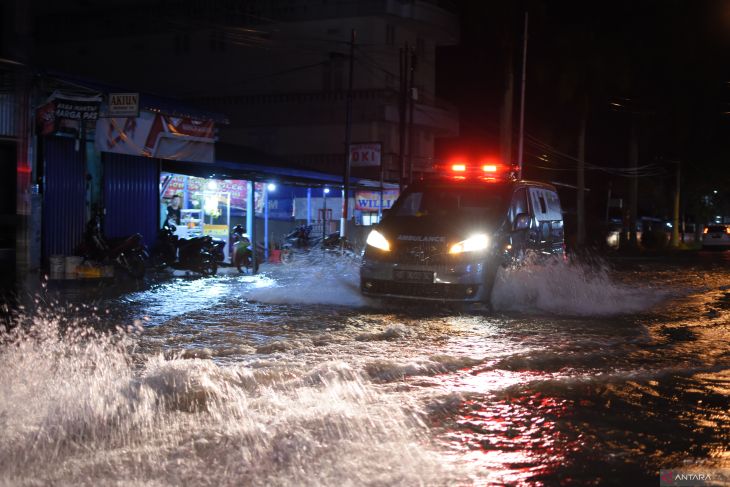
x: 199, y: 206
x: 133, y: 151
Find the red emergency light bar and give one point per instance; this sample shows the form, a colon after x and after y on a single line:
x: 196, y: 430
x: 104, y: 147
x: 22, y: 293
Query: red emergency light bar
x: 487, y: 170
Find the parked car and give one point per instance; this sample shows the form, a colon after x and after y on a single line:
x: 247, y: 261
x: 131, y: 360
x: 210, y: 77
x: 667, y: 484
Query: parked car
x: 716, y: 236
x: 445, y: 237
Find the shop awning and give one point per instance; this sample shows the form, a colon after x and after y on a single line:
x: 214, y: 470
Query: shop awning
x: 241, y: 162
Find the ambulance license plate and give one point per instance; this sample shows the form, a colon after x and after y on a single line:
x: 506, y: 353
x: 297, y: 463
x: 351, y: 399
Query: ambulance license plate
x: 413, y: 276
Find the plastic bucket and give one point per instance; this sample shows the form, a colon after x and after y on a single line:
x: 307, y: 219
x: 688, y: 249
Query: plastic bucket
x: 57, y: 266
x: 72, y: 262
x: 275, y: 256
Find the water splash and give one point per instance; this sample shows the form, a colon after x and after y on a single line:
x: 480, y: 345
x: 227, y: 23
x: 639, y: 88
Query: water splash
x: 317, y: 279
x: 571, y: 289
x: 577, y: 288
x: 79, y: 406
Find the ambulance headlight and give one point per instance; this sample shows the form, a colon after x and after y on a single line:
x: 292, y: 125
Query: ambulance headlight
x: 474, y: 243
x: 377, y: 240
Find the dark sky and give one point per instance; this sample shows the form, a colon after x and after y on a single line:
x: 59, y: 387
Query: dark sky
x: 663, y: 62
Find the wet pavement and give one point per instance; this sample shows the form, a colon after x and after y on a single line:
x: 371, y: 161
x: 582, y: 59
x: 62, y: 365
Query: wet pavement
x: 586, y: 373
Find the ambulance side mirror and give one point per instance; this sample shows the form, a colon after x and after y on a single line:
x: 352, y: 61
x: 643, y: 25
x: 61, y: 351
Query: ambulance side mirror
x: 522, y: 222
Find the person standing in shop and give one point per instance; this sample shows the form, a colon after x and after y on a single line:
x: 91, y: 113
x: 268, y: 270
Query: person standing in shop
x: 173, y: 211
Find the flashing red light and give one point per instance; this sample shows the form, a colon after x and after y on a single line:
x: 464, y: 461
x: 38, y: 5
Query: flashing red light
x: 486, y: 170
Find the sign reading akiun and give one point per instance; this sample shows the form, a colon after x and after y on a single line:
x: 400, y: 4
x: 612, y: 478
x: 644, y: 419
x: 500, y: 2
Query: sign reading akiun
x: 364, y: 155
x: 123, y: 105
x: 157, y: 135
x: 370, y: 200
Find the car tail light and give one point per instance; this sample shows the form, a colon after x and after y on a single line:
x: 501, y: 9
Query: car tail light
x: 704, y: 232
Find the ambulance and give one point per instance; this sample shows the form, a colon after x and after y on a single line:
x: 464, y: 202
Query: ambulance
x: 446, y: 236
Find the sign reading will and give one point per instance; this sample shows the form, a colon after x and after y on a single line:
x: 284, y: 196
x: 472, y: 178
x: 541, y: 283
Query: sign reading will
x: 123, y: 105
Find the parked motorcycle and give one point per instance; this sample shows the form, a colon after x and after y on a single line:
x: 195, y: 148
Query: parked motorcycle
x: 127, y: 253
x: 217, y: 249
x: 243, y: 251
x: 299, y: 242
x: 194, y: 254
x: 298, y: 239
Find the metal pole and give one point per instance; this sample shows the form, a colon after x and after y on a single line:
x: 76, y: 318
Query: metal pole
x: 348, y: 136
x: 251, y: 221
x: 227, y: 248
x: 608, y: 202
x: 266, y: 222
x: 309, y: 206
x: 411, y: 103
x: 675, y: 219
x: 581, y: 179
x: 380, y: 206
x: 324, y: 214
x: 402, y: 117
x: 634, y: 183
x: 522, y: 99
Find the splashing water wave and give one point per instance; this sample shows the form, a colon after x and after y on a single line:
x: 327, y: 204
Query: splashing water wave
x: 572, y: 289
x: 79, y: 407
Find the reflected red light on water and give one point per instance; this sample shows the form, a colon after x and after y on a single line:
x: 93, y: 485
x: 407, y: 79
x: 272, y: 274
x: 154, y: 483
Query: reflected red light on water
x: 517, y: 438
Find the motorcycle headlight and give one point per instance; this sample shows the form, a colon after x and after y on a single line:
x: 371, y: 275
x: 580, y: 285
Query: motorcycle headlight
x: 377, y: 240
x: 471, y: 244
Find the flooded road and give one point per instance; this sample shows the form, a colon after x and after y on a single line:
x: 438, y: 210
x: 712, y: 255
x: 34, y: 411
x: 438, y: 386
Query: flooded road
x: 584, y: 374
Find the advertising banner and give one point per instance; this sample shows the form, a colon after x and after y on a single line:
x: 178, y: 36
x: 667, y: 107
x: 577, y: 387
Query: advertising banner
x: 370, y: 200
x: 156, y: 135
x: 66, y: 113
x: 176, y: 185
x: 365, y: 155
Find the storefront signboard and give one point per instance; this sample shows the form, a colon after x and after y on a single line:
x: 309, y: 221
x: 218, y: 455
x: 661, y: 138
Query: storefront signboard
x: 370, y: 200
x: 365, y: 155
x: 123, y: 105
x: 66, y: 113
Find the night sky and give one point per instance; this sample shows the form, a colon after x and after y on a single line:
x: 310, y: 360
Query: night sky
x: 664, y: 63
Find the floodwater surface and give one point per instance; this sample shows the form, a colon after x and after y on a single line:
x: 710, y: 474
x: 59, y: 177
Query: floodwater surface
x: 583, y: 374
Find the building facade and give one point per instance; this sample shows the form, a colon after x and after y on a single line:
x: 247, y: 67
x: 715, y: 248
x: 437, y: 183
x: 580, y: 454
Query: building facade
x: 278, y: 68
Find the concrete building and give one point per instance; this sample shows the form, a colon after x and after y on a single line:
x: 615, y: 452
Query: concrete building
x: 277, y: 68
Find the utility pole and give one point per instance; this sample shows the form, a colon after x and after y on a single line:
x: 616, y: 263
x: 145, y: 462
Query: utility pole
x: 506, y: 125
x: 522, y: 99
x: 675, y: 216
x: 412, y: 95
x: 581, y: 182
x: 348, y: 138
x: 402, y: 116
x: 634, y: 182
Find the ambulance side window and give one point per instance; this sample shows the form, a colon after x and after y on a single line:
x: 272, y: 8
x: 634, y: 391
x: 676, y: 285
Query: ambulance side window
x: 519, y: 204
x: 543, y: 206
